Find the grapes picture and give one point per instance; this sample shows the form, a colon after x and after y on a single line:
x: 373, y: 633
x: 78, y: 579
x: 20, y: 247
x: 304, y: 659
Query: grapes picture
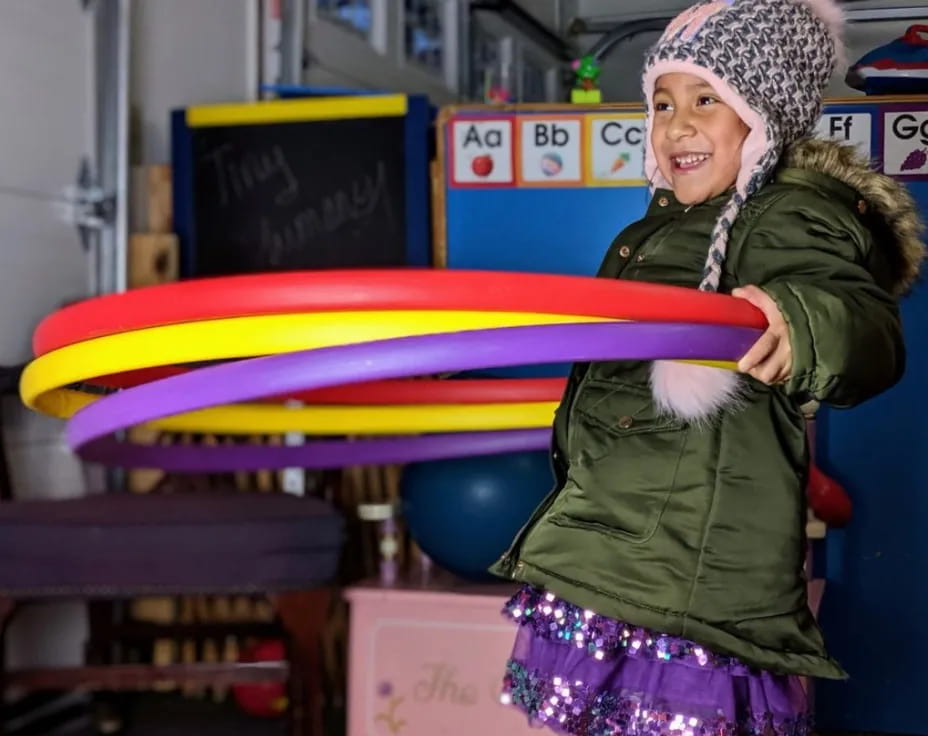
x: 915, y: 160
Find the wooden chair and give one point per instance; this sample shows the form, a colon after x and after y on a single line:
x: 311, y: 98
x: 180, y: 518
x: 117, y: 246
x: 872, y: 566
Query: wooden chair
x: 120, y: 546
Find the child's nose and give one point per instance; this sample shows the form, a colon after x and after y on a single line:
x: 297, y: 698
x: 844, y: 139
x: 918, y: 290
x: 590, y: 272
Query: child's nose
x: 680, y: 126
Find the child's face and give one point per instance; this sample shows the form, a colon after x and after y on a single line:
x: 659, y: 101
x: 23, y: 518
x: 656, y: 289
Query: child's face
x: 696, y: 138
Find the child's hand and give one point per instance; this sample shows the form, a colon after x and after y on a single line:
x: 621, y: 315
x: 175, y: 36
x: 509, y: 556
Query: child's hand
x: 770, y: 359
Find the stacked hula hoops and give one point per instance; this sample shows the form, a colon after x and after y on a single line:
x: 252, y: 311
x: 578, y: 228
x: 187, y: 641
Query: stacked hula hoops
x: 330, y: 354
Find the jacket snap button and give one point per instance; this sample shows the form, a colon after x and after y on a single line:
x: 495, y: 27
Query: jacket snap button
x: 626, y: 422
x: 625, y: 251
x: 663, y: 201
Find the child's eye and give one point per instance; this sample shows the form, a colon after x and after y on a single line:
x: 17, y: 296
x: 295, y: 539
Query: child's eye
x: 706, y: 100
x: 661, y: 106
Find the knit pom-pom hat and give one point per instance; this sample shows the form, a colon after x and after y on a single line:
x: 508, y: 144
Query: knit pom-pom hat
x: 771, y: 62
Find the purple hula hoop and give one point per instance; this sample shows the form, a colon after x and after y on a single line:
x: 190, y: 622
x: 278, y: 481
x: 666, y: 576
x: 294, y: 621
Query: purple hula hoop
x: 317, y: 455
x: 89, y: 432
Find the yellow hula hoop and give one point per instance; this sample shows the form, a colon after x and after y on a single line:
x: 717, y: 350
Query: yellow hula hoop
x: 44, y: 381
x: 249, y: 419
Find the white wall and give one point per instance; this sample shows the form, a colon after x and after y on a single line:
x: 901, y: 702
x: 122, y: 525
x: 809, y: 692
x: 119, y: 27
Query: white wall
x: 45, y: 129
x: 185, y: 52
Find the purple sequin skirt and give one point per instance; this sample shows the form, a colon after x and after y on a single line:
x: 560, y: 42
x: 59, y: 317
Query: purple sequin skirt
x: 583, y: 674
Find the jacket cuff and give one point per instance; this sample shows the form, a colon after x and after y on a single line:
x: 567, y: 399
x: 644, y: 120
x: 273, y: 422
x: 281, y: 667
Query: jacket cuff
x: 802, y: 345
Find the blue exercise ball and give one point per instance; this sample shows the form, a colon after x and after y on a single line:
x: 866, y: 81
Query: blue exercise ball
x: 465, y: 512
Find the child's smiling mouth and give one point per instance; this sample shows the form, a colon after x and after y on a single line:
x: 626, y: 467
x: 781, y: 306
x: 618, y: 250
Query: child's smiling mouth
x: 686, y: 162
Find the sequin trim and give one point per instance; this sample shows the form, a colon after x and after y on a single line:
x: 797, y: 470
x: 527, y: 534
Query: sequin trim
x: 604, y: 638
x: 574, y: 708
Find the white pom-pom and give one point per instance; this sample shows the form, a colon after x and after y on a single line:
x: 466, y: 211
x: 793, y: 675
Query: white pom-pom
x: 695, y: 393
x: 833, y: 16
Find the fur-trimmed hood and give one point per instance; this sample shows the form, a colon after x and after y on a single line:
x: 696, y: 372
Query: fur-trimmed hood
x: 886, y: 197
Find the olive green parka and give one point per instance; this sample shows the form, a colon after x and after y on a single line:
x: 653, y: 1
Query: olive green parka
x: 695, y: 527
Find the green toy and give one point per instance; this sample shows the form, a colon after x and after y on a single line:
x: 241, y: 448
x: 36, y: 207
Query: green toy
x: 586, y: 88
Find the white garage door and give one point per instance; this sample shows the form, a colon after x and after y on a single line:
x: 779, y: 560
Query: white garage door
x: 46, y: 124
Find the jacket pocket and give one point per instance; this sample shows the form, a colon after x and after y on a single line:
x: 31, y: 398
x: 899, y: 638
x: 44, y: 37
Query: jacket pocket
x: 623, y: 465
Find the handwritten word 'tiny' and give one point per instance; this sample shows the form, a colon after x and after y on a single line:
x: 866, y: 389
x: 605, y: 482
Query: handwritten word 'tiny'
x: 239, y: 174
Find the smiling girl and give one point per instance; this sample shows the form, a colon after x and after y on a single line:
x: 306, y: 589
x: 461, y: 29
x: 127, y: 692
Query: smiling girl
x: 663, y: 575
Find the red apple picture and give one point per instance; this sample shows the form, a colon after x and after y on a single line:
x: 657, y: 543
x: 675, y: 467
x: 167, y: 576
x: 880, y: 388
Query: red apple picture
x: 482, y: 165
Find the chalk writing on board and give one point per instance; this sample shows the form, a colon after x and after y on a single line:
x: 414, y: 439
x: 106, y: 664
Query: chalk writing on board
x: 352, y: 205
x: 238, y: 174
x: 309, y: 194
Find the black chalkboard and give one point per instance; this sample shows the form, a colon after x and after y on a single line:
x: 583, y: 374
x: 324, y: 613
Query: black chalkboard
x: 311, y: 194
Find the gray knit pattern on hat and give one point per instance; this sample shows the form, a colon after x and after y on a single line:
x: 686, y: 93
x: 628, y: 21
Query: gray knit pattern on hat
x: 778, y: 56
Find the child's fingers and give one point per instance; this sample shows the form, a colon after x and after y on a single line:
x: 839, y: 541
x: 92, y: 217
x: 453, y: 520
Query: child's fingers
x: 786, y: 368
x: 775, y: 369
x: 760, y: 299
x: 762, y: 349
x: 770, y: 372
x: 770, y: 359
